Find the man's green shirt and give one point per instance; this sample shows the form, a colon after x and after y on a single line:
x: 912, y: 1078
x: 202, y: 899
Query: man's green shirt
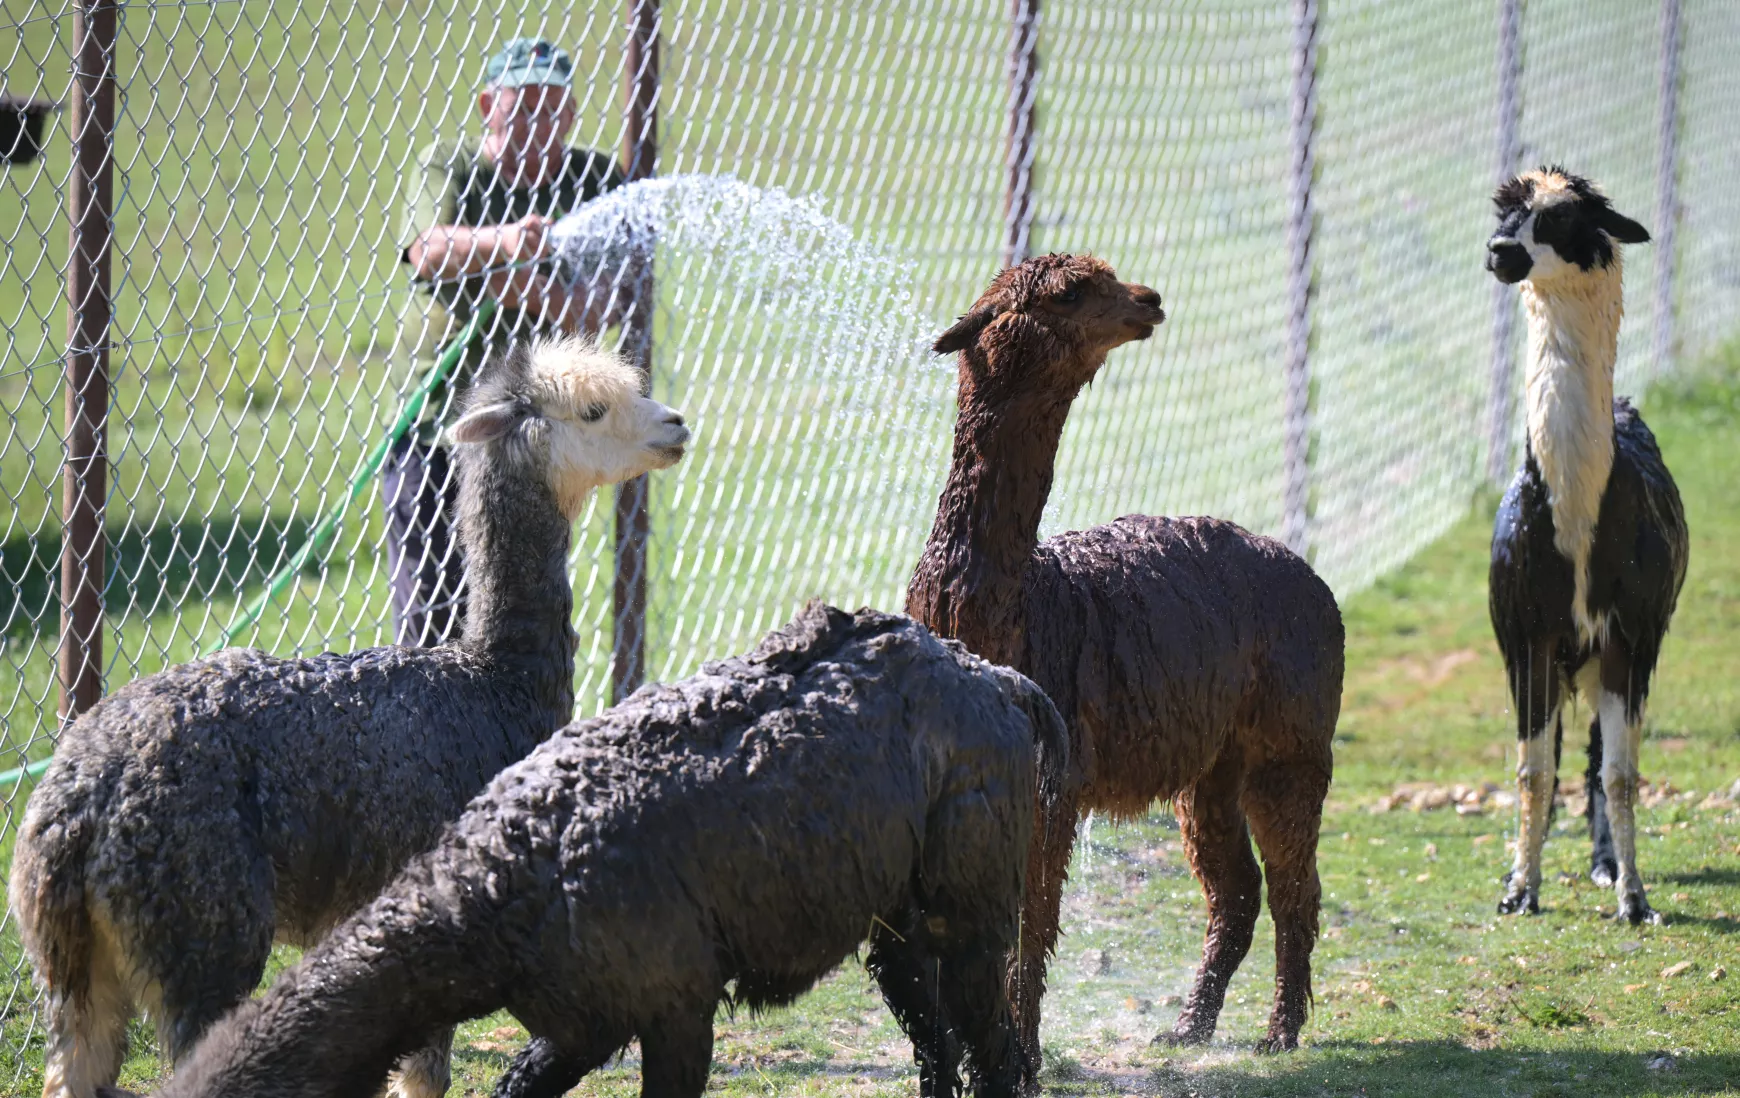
x: 451, y: 183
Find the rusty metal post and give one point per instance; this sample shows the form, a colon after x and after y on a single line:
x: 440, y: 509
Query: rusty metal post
x: 1296, y: 431
x: 84, y: 476
x: 1667, y: 211
x: 633, y: 525
x: 1499, y: 405
x: 1023, y: 90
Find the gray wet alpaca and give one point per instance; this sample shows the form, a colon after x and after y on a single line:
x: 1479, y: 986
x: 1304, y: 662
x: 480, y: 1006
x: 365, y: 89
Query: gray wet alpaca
x: 196, y: 815
x: 853, y: 777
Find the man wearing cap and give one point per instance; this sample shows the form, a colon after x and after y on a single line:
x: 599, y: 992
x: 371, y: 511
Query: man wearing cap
x: 477, y: 211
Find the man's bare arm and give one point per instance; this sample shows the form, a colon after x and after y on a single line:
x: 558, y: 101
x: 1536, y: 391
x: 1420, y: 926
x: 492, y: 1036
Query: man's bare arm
x: 444, y: 252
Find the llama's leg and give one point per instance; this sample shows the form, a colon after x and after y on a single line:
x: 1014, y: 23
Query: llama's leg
x: 426, y: 1073
x: 87, y: 1032
x: 1054, y: 829
x: 910, y: 980
x: 1603, y: 868
x: 976, y: 1009
x: 1219, y: 846
x: 1285, y: 806
x: 1537, y: 696
x: 1620, y: 712
x: 676, y: 1052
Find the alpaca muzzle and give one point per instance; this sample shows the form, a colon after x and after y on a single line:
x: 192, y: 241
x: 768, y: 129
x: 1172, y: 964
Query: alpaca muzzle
x: 1507, y: 260
x: 1151, y: 315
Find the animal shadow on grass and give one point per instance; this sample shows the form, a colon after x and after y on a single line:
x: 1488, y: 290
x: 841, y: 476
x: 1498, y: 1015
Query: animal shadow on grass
x: 472, y: 1062
x: 1728, y: 876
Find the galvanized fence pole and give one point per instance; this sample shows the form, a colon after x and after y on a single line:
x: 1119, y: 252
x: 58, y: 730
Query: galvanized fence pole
x: 633, y: 524
x: 1503, y: 371
x: 1023, y: 91
x: 1667, y: 209
x: 1296, y: 442
x: 84, y: 474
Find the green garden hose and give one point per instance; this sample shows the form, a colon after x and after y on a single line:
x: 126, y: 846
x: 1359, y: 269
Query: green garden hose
x: 324, y: 529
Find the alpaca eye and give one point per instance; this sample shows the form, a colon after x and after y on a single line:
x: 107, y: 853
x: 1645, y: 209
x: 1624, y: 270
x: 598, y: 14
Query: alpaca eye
x: 1551, y: 224
x: 594, y: 413
x: 1069, y: 296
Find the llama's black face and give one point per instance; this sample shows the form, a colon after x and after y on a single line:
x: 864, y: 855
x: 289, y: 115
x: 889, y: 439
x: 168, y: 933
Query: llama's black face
x: 1550, y: 223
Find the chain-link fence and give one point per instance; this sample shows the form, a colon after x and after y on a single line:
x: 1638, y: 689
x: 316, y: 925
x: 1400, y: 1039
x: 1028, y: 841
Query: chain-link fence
x: 1306, y: 183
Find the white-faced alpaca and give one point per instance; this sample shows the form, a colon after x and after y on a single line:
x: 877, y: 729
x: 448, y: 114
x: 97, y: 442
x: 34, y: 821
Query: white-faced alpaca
x: 1590, y: 545
x: 732, y: 836
x: 195, y: 815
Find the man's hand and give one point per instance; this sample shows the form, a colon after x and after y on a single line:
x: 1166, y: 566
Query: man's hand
x: 523, y: 241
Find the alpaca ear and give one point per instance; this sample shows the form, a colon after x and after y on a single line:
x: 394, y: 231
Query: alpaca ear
x: 1622, y: 228
x: 965, y: 331
x: 485, y: 424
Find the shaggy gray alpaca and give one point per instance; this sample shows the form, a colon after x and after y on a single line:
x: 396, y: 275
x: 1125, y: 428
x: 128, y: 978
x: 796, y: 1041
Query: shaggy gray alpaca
x: 197, y: 814
x: 853, y: 777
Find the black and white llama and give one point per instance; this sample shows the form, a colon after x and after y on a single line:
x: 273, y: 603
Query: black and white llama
x: 1589, y: 549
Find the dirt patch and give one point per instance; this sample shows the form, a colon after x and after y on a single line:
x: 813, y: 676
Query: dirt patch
x: 1470, y: 799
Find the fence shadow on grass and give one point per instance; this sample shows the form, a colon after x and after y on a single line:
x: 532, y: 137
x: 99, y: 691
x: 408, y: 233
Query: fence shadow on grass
x: 150, y: 570
x: 1427, y: 1068
x: 1400, y: 1068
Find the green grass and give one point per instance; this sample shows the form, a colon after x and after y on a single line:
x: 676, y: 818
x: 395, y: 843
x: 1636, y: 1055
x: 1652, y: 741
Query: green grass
x: 1421, y: 989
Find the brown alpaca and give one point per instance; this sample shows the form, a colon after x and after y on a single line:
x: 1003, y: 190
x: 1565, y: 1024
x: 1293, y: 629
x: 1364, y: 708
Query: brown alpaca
x: 1192, y: 661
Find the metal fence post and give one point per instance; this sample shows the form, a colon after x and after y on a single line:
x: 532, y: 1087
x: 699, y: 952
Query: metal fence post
x: 633, y: 525
x: 1667, y: 209
x: 84, y: 474
x: 1503, y: 371
x: 1300, y: 216
x: 1023, y: 91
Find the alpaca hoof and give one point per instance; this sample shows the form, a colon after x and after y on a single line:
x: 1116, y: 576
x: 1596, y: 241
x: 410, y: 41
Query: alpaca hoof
x: 1604, y: 874
x: 1180, y: 1037
x: 1524, y: 902
x: 1277, y: 1042
x: 1635, y: 910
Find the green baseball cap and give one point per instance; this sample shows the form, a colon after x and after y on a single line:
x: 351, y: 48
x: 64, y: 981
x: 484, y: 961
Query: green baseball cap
x: 526, y: 61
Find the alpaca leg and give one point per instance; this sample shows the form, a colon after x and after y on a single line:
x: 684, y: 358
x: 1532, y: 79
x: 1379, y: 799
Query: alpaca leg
x: 1537, y: 695
x: 910, y: 979
x: 87, y: 1032
x: 204, y: 987
x: 1603, y: 867
x: 548, y: 1069
x: 1218, y: 843
x: 676, y: 1053
x: 976, y: 1009
x: 1047, y: 871
x: 1285, y: 807
x: 426, y: 1073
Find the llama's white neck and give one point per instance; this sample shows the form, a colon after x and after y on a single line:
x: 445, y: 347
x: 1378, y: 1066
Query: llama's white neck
x: 1573, y: 344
